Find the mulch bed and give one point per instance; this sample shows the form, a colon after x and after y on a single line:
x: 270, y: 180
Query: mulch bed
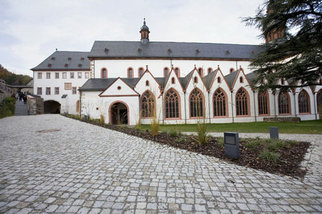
x: 291, y: 155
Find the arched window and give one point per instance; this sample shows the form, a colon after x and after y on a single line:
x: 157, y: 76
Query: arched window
x: 104, y: 73
x: 147, y: 104
x: 130, y: 72
x: 165, y: 72
x: 241, y: 79
x: 172, y: 104
x: 219, y: 80
x: 173, y: 81
x: 304, y: 102
x: 200, y: 71
x: 242, y: 102
x: 177, y: 71
x: 284, y: 103
x: 195, y: 80
x: 263, y: 103
x: 219, y: 99
x: 147, y: 83
x: 319, y: 99
x: 209, y: 70
x: 196, y: 103
x: 140, y: 72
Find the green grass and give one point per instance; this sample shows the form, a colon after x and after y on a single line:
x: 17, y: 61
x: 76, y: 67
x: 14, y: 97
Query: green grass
x: 304, y: 127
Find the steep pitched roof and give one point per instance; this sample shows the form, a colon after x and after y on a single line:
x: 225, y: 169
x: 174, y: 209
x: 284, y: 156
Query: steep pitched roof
x: 185, y: 80
x: 65, y: 60
x: 251, y: 77
x: 135, y: 49
x: 97, y: 84
x: 230, y: 78
x: 208, y: 79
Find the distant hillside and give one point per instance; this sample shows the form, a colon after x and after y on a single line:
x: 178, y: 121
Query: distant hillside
x: 13, y: 79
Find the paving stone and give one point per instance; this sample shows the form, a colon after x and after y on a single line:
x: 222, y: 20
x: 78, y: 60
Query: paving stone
x: 87, y: 169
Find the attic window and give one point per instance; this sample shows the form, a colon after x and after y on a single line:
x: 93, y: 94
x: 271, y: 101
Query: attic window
x: 80, y: 65
x: 173, y: 81
x: 219, y: 80
x: 82, y: 58
x: 231, y: 70
x: 49, y: 65
x: 53, y: 58
x: 106, y: 50
x: 69, y: 58
x: 195, y: 80
x: 209, y: 70
x: 139, y: 50
x: 241, y: 79
x: 200, y: 71
x: 252, y: 52
x: 119, y: 87
x: 197, y: 51
x: 66, y: 65
x: 227, y: 52
x: 147, y: 83
x: 169, y: 50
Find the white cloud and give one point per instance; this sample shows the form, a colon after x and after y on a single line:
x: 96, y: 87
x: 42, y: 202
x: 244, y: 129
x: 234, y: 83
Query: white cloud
x: 33, y: 29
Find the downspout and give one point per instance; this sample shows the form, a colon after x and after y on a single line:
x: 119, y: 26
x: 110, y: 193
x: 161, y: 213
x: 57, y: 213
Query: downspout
x: 162, y: 106
x: 295, y: 104
x: 315, y: 111
x: 209, y: 106
x: 255, y: 107
x: 232, y: 107
x: 275, y: 104
x: 80, y: 104
x: 185, y: 108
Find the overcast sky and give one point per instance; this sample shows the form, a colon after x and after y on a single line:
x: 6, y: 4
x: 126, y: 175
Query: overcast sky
x: 32, y: 30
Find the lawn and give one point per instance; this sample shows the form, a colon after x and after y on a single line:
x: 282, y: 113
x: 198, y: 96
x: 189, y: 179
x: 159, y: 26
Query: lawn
x: 303, y: 127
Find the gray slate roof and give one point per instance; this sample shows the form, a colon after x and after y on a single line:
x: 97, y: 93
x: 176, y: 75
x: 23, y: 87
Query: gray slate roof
x: 65, y: 60
x: 230, y: 78
x: 135, y: 49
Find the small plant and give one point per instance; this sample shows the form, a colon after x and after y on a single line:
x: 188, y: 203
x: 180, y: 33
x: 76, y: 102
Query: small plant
x: 253, y: 143
x: 102, y: 119
x: 202, y: 133
x: 173, y: 133
x: 155, y: 126
x: 273, y: 145
x: 181, y: 139
x: 220, y: 141
x: 269, y: 156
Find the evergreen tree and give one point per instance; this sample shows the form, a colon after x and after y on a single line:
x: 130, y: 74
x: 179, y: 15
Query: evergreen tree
x: 293, y: 33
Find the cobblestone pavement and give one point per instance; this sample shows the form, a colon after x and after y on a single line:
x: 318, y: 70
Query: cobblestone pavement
x: 21, y: 108
x: 50, y: 163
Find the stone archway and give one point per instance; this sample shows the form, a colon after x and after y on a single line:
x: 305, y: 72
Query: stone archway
x: 51, y: 107
x: 118, y: 113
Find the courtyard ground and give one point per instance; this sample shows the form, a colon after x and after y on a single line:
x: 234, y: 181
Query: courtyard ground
x: 50, y: 163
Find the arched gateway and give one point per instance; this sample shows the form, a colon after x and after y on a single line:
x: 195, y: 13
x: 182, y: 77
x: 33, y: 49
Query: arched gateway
x: 118, y: 113
x: 51, y: 107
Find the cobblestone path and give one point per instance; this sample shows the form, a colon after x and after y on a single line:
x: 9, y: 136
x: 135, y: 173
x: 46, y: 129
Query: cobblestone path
x: 50, y: 163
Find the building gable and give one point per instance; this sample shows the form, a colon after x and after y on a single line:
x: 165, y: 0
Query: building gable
x: 118, y: 88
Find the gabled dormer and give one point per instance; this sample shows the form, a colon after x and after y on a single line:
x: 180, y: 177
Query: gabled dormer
x: 120, y: 88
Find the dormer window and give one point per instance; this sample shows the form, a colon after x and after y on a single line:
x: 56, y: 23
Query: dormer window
x: 209, y: 70
x: 106, y: 50
x: 197, y: 51
x: 139, y: 50
x: 173, y: 81
x: 82, y: 58
x: 80, y: 65
x: 49, y: 65
x: 227, y: 52
x: 69, y: 58
x: 53, y: 58
x: 66, y: 65
x: 169, y: 50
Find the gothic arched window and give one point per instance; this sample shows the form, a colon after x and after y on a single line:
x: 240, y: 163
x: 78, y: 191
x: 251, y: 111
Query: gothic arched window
x: 242, y: 102
x: 263, y: 103
x: 304, y: 102
x: 177, y: 71
x: 130, y: 72
x: 104, y: 73
x: 219, y: 99
x: 284, y: 103
x: 140, y: 72
x: 165, y: 72
x: 196, y: 103
x: 172, y: 103
x: 147, y: 104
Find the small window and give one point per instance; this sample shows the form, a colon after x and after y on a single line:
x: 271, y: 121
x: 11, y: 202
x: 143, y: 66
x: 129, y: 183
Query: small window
x: 68, y: 86
x: 47, y: 90
x: 200, y: 71
x: 56, y: 75
x: 39, y: 91
x: 231, y: 70
x: 165, y: 72
x: 39, y: 75
x: 195, y: 80
x: 177, y: 71
x: 74, y: 90
x: 72, y: 75
x: 140, y: 71
x: 48, y: 75
x: 130, y: 73
x: 119, y: 87
x: 219, y: 80
x: 69, y: 58
x: 147, y: 83
x: 82, y: 58
x: 79, y: 75
x: 241, y: 79
x: 64, y: 75
x: 56, y: 90
x: 104, y: 73
x: 86, y: 75
x: 282, y: 81
x: 173, y: 81
x: 209, y: 70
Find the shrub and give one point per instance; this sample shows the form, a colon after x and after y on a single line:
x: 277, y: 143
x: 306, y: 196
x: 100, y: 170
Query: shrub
x: 155, y: 126
x: 7, y: 107
x: 181, y: 139
x: 202, y: 133
x: 173, y: 133
x: 220, y: 141
x: 274, y: 145
x: 253, y: 143
x: 102, y: 119
x: 269, y: 156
